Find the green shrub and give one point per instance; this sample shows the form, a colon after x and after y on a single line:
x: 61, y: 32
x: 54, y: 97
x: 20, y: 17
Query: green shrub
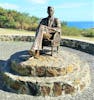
x: 71, y: 31
x: 88, y: 33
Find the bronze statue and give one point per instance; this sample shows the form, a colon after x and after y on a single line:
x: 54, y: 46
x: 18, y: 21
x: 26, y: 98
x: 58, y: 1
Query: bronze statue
x: 46, y: 28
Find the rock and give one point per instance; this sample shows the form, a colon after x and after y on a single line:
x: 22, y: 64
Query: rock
x: 63, y: 71
x: 33, y: 88
x: 68, y: 89
x: 52, y: 72
x: 40, y: 71
x: 19, y: 68
x: 45, y: 91
x: 57, y: 89
x: 16, y: 85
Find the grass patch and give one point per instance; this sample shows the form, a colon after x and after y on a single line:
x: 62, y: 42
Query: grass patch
x: 23, y: 32
x: 14, y: 31
x: 80, y: 37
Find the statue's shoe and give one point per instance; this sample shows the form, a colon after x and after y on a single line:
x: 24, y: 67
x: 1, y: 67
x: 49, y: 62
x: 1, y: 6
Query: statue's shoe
x: 37, y: 54
x: 34, y: 54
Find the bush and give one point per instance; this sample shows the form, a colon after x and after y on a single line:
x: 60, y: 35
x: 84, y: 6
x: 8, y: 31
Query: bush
x: 71, y: 31
x: 88, y: 33
x: 17, y: 20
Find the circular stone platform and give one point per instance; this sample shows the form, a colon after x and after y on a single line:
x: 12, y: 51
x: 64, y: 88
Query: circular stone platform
x: 61, y: 74
x: 47, y: 66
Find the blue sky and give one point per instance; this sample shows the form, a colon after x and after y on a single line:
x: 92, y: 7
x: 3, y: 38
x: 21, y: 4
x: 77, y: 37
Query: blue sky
x: 65, y: 10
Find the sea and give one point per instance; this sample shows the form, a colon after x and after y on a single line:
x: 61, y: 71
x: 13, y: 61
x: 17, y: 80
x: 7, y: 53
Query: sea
x: 81, y: 24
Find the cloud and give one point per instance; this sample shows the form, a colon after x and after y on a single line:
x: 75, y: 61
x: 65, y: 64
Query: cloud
x: 38, y: 1
x: 72, y: 5
x: 9, y: 6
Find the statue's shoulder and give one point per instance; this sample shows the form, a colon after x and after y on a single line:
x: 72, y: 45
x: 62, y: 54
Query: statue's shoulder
x: 57, y: 20
x: 44, y: 19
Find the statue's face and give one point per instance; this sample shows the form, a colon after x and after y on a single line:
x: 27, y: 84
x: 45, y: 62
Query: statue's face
x: 50, y: 12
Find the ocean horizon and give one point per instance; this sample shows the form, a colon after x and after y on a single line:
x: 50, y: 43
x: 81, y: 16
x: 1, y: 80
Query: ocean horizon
x: 81, y: 24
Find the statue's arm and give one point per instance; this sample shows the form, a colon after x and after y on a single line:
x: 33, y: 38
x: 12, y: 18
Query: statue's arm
x: 57, y: 27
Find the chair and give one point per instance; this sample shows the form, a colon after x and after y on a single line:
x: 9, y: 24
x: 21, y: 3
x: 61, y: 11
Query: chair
x: 53, y: 42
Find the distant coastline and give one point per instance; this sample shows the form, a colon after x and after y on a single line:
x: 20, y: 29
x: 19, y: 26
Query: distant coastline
x: 81, y: 24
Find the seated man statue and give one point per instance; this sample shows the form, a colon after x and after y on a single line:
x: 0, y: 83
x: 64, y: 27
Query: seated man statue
x: 46, y: 28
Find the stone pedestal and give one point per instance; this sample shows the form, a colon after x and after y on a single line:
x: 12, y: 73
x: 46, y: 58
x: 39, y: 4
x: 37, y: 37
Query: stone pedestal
x: 56, y: 75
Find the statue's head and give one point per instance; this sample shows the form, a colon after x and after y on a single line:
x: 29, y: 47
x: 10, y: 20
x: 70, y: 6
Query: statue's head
x: 50, y: 11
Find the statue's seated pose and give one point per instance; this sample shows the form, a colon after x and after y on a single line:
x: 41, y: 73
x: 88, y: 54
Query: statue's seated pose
x: 47, y: 27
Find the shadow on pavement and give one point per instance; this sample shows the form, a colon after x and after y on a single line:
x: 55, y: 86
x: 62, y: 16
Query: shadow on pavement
x: 5, y: 66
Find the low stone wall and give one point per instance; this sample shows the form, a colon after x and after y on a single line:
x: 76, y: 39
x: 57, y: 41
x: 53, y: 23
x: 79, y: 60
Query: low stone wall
x: 16, y: 38
x: 73, y: 43
x: 79, y: 45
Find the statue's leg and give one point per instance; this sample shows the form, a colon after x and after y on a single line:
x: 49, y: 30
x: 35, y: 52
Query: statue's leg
x: 37, y: 44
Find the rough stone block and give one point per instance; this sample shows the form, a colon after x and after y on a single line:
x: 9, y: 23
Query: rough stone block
x: 57, y: 89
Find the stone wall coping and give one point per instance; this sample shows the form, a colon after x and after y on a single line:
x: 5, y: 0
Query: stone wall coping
x: 17, y: 34
x: 87, y: 41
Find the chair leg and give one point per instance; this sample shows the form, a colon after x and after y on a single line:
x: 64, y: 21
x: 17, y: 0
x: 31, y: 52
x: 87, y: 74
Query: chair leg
x: 51, y: 51
x: 57, y: 48
x: 42, y: 47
